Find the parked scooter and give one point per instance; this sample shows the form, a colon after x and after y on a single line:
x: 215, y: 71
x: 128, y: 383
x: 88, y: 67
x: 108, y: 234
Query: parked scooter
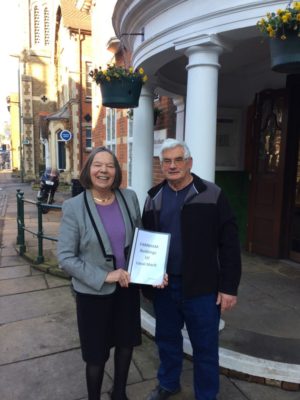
x: 49, y: 182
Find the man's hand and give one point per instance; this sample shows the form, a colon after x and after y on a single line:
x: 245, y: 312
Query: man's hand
x: 164, y: 282
x: 226, y: 301
x: 118, y: 275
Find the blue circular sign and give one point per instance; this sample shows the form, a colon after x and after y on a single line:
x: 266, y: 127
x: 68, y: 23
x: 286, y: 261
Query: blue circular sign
x: 65, y: 135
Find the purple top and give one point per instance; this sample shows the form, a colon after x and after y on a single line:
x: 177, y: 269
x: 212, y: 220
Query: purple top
x: 113, y: 222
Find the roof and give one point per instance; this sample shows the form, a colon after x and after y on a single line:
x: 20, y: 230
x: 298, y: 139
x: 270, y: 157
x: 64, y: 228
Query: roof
x: 74, y: 18
x: 63, y: 113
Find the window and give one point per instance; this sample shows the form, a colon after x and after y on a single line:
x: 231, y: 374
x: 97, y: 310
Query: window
x: 88, y: 80
x: 40, y: 25
x: 88, y: 137
x: 111, y: 120
x: 37, y: 28
x: 46, y: 27
x: 129, y: 151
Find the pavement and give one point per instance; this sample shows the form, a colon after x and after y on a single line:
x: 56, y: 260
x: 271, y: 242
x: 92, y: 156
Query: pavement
x: 40, y: 356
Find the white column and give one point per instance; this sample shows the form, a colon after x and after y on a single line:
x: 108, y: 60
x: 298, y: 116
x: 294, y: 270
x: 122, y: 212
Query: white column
x: 201, y: 107
x: 142, y: 146
x: 179, y: 104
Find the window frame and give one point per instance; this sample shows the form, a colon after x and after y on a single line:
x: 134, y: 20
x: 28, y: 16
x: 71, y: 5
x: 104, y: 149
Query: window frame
x: 111, y: 129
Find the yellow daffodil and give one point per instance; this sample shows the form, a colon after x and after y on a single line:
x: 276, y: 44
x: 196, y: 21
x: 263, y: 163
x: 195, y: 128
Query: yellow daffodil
x: 130, y: 70
x: 262, y: 22
x: 272, y: 34
x: 296, y: 5
x: 141, y: 71
x: 145, y: 78
x: 286, y: 17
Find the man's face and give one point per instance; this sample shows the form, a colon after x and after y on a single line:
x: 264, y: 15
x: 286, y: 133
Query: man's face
x: 175, y: 168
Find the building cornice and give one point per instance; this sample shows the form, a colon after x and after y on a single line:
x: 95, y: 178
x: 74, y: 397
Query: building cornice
x: 132, y: 16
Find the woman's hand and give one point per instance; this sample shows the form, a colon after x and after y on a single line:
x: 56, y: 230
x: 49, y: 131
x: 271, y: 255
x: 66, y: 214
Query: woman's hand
x: 119, y: 275
x: 164, y: 282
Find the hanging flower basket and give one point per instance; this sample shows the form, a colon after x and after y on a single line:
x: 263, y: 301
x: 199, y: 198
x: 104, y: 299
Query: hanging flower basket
x: 121, y: 93
x: 285, y: 55
x: 283, y: 29
x: 120, y: 87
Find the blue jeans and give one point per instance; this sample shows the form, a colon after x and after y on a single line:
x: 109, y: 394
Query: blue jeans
x: 201, y: 316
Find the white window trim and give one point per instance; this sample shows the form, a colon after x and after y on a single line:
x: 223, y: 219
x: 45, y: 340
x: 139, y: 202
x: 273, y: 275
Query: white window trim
x: 111, y: 119
x: 129, y: 156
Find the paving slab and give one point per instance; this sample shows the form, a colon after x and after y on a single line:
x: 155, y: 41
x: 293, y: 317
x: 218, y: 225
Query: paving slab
x: 7, y: 261
x: 141, y: 390
x: 54, y: 281
x: 229, y: 391
x: 22, y: 285
x: 37, y: 337
x: 15, y: 272
x: 58, y: 377
x: 134, y: 375
x: 148, y: 366
x: 35, y: 304
x: 8, y: 251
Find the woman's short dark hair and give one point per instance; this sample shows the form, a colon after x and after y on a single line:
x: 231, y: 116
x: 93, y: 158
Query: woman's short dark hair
x: 85, y: 176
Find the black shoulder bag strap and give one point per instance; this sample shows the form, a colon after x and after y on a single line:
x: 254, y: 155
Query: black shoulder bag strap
x: 94, y: 224
x: 127, y: 209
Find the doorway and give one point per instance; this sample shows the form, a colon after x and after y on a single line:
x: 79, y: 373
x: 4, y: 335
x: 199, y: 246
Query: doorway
x: 274, y: 203
x: 267, y: 176
x: 294, y: 251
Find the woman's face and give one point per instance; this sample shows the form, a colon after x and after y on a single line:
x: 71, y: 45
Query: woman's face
x: 102, y: 171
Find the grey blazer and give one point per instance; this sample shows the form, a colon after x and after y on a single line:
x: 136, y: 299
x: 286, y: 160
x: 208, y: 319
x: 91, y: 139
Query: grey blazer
x: 78, y: 249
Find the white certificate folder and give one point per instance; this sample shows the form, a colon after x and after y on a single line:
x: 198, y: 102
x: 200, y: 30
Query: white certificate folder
x: 148, y: 257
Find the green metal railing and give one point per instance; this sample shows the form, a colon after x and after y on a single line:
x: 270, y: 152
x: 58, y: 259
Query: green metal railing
x: 22, y: 228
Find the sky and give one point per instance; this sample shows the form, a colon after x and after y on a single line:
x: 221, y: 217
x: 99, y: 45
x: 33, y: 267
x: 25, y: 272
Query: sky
x: 10, y: 29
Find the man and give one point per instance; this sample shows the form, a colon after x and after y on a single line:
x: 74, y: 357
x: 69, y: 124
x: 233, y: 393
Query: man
x: 204, y: 269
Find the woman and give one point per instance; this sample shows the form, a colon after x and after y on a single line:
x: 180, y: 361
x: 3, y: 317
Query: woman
x: 96, y: 230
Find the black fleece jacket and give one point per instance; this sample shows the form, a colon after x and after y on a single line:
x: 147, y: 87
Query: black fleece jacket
x: 210, y: 243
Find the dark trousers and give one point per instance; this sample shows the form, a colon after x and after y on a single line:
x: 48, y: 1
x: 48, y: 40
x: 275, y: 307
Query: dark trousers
x: 201, y: 316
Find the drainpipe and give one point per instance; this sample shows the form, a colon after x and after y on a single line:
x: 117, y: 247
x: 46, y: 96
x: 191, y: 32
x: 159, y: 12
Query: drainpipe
x: 80, y: 98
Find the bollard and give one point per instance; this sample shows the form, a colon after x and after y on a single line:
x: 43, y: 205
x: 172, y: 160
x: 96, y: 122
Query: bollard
x: 18, y: 216
x: 40, y: 257
x: 20, y: 221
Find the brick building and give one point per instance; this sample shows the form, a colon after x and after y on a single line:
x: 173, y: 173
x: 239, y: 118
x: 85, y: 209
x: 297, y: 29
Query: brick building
x: 71, y: 67
x: 55, y: 92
